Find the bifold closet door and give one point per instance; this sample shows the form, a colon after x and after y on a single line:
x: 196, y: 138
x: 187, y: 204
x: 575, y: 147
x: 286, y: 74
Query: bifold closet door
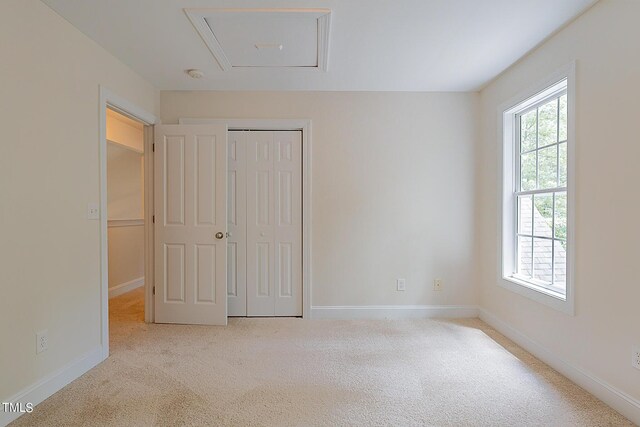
x: 287, y: 167
x: 237, y: 223
x: 274, y: 223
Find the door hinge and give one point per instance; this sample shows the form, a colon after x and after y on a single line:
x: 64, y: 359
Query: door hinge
x: 153, y: 219
x: 153, y: 147
x: 154, y: 290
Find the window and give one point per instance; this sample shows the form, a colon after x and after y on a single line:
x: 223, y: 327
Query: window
x: 537, y: 189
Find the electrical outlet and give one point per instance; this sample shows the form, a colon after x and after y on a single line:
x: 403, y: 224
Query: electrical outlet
x: 42, y: 341
x: 635, y: 361
x: 401, y: 284
x: 437, y: 285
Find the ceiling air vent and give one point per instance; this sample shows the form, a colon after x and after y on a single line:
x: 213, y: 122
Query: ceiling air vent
x: 255, y: 38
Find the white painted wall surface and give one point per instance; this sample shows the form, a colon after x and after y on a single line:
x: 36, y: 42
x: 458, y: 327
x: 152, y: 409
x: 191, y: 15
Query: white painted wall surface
x: 126, y: 254
x: 598, y: 340
x: 393, y: 188
x: 125, y: 202
x: 49, y: 258
x: 125, y: 198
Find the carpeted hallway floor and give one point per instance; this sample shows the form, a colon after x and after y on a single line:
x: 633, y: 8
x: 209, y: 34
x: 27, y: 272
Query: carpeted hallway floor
x: 293, y: 372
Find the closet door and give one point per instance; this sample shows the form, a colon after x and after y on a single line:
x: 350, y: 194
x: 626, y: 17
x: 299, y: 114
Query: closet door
x: 260, y: 224
x: 288, y: 222
x: 237, y: 223
x: 274, y: 223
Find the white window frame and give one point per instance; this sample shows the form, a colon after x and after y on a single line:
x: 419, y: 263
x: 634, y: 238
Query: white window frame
x: 508, y: 132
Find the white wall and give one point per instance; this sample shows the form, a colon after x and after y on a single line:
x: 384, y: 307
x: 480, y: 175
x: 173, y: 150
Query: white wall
x: 124, y: 183
x: 393, y: 188
x: 49, y: 258
x: 126, y: 258
x: 125, y: 202
x: 598, y: 340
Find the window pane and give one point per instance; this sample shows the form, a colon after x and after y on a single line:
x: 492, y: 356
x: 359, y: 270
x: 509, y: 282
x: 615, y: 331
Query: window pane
x: 547, y: 167
x: 528, y: 171
x: 562, y: 165
x: 548, y: 123
x: 528, y: 131
x: 541, y: 235
x: 543, y: 215
x: 524, y: 256
x: 542, y: 256
x: 561, y: 216
x: 560, y: 264
x: 524, y: 215
x: 563, y: 118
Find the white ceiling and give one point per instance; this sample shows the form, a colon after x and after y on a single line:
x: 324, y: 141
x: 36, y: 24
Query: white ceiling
x: 375, y: 45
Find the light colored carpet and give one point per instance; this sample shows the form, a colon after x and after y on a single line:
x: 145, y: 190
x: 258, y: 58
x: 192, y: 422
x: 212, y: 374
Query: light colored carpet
x: 293, y: 372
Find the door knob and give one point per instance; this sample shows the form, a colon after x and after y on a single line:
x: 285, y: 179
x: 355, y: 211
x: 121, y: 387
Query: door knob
x: 219, y: 235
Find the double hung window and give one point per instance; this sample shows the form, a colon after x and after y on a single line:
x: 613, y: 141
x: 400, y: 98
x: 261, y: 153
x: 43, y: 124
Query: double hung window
x: 537, y: 194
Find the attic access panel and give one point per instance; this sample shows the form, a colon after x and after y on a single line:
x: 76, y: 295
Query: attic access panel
x: 281, y: 38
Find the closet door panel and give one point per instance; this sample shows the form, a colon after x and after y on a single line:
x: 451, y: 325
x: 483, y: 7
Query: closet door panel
x: 287, y: 167
x: 260, y: 224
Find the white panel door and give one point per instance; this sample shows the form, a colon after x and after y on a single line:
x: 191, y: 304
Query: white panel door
x: 274, y: 223
x: 288, y: 222
x: 190, y: 210
x: 237, y: 223
x: 260, y: 220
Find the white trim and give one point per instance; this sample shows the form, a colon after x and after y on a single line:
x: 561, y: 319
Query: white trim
x: 506, y: 211
x: 324, y: 29
x: 123, y: 106
x: 394, y: 311
x: 125, y: 287
x: 45, y: 387
x: 198, y: 18
x: 124, y: 222
x: 149, y: 307
x: 243, y: 124
x: 617, y: 399
x: 307, y: 151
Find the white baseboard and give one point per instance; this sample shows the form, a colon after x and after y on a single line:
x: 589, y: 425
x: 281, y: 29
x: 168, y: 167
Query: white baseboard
x: 617, y: 399
x: 125, y: 287
x: 51, y: 383
x: 393, y: 311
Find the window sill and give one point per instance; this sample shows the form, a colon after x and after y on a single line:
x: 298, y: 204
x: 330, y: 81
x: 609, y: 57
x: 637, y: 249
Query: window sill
x: 539, y: 294
x: 536, y: 285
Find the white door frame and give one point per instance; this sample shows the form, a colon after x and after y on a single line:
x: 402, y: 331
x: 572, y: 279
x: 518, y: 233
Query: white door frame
x: 303, y: 125
x: 108, y: 99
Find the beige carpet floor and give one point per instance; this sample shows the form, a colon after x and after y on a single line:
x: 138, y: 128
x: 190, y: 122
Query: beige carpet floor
x: 293, y: 372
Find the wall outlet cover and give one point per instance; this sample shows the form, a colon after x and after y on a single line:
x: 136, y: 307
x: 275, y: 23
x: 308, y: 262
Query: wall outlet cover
x: 42, y: 341
x: 401, y: 284
x: 635, y: 357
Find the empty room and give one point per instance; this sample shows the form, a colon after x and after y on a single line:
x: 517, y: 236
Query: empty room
x: 319, y: 213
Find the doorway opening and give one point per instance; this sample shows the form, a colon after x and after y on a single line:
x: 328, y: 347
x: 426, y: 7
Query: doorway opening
x: 125, y: 156
x: 135, y: 117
